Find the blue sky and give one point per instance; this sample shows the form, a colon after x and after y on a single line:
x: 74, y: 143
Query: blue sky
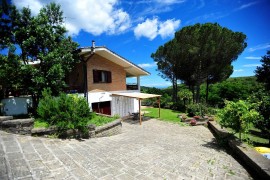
x: 135, y: 29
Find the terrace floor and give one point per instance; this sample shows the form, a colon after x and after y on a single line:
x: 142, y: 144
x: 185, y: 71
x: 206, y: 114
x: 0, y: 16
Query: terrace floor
x: 154, y: 150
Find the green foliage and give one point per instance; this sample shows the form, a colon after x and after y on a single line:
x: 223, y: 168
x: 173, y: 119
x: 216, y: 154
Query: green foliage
x: 199, y: 109
x: 263, y: 72
x: 38, y: 123
x: 199, y: 53
x: 262, y: 101
x: 238, y: 116
x: 39, y: 38
x: 101, y: 120
x: 232, y: 89
x: 65, y: 112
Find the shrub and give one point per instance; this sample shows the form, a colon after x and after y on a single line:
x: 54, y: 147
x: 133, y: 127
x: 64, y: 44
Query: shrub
x: 238, y: 116
x: 197, y: 109
x: 179, y: 106
x: 65, y: 112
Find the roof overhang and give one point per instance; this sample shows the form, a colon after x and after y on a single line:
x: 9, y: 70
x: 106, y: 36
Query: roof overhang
x: 131, y: 69
x: 137, y: 95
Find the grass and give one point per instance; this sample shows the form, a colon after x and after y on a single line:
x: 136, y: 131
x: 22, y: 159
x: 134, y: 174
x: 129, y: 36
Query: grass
x: 101, y: 120
x: 40, y: 124
x: 165, y: 114
x: 251, y: 139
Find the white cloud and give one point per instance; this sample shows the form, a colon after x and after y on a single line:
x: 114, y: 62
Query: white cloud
x: 246, y: 5
x: 259, y: 47
x: 251, y: 65
x: 238, y: 70
x: 148, y: 28
x: 252, y: 57
x: 168, y: 28
x: 168, y: 2
x: 147, y: 65
x: 152, y: 28
x: 92, y: 16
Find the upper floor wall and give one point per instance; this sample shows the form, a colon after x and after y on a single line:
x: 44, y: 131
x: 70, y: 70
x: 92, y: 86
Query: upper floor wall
x: 113, y: 77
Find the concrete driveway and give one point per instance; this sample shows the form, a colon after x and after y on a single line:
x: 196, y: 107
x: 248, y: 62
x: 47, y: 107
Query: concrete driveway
x: 154, y: 150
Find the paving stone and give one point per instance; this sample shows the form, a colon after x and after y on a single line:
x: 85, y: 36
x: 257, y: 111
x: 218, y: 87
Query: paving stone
x: 154, y: 150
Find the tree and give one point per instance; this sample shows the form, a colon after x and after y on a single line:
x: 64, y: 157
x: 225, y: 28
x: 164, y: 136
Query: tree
x: 209, y: 50
x: 263, y: 72
x: 165, y: 56
x: 238, y: 116
x: 41, y: 39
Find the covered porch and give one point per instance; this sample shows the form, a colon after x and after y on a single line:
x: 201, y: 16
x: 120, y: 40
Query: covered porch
x: 139, y: 97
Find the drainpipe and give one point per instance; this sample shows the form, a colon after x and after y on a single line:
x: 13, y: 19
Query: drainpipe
x: 85, y: 69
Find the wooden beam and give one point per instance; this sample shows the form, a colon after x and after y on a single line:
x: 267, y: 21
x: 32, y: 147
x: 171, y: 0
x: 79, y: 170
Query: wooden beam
x: 140, y: 112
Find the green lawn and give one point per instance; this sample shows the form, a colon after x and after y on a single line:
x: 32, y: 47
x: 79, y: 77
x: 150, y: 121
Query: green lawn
x: 165, y: 114
x: 101, y: 120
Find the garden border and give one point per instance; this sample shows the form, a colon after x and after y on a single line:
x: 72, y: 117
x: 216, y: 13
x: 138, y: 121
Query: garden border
x: 251, y: 159
x: 25, y: 127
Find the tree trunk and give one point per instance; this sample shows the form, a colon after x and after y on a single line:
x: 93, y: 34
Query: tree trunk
x: 207, y: 90
x: 198, y: 93
x: 174, y: 82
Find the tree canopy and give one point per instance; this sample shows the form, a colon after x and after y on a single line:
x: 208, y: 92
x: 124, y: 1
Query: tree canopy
x: 263, y: 72
x: 40, y: 40
x: 200, y: 53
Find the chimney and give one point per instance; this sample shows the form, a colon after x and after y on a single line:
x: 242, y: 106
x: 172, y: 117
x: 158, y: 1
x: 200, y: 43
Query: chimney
x: 93, y: 44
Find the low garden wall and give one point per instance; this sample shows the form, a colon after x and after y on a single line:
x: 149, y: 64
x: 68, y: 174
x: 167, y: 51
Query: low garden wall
x: 258, y: 165
x: 25, y: 127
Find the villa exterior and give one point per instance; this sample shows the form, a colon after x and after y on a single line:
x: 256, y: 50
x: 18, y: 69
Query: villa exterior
x: 102, y: 73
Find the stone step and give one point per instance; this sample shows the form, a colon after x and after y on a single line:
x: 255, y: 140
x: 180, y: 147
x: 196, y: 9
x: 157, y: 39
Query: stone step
x: 5, y: 118
x: 18, y: 123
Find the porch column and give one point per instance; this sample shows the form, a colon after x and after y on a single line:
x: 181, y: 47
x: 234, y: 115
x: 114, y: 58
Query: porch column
x: 139, y: 83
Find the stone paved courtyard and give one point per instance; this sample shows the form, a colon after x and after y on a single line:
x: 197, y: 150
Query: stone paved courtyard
x: 155, y: 150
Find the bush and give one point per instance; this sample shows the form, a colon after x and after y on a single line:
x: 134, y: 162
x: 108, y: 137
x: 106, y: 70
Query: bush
x: 238, y: 116
x: 65, y: 112
x: 179, y: 106
x: 197, y: 110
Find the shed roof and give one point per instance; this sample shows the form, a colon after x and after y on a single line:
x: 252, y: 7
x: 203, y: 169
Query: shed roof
x: 137, y: 95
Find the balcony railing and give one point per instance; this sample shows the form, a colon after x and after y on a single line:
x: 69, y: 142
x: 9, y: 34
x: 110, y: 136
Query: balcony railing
x: 132, y: 87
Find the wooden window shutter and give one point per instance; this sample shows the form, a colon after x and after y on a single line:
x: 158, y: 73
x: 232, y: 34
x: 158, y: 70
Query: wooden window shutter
x: 96, y: 76
x: 109, y: 76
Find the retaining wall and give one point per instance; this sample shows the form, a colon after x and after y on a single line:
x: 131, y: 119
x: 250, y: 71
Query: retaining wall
x: 258, y: 165
x: 25, y: 127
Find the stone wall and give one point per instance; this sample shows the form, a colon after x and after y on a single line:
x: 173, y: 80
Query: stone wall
x: 109, y: 129
x: 18, y: 126
x: 254, y: 162
x: 25, y: 127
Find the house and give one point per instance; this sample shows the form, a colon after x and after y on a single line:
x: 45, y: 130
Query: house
x: 101, y: 78
x: 102, y: 73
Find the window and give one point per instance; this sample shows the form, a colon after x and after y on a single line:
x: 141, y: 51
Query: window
x: 101, y: 76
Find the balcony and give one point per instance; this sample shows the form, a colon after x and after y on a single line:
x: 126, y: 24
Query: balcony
x: 132, y: 87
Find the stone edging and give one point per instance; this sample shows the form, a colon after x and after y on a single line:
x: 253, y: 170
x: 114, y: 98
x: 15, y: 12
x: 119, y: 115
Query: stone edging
x: 109, y: 129
x: 25, y: 127
x: 248, y: 156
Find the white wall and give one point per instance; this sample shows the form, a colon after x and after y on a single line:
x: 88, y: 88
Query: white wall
x: 119, y: 105
x: 16, y: 105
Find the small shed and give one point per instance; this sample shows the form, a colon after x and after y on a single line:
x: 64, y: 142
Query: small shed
x: 139, y: 97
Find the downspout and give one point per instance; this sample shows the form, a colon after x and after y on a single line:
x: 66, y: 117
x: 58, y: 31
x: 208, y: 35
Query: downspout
x: 85, y: 70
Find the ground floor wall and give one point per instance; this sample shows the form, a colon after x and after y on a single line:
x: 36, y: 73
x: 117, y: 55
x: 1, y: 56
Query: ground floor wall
x: 121, y: 106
